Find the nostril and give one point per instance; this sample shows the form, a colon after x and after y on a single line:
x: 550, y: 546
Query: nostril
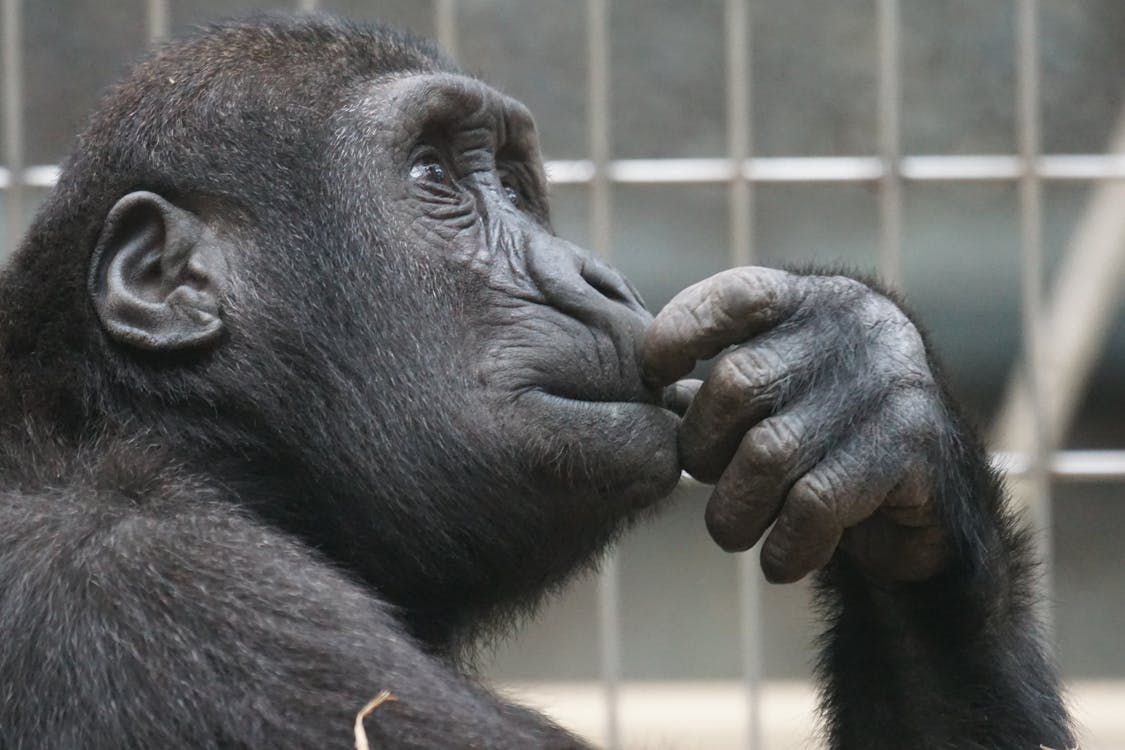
x: 608, y: 283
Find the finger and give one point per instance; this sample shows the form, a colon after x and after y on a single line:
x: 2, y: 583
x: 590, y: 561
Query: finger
x: 717, y: 312
x: 850, y: 484
x: 744, y: 388
x: 749, y: 494
x: 679, y: 395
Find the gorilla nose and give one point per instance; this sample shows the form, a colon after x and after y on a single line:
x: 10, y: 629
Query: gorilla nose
x: 609, y: 283
x: 575, y: 281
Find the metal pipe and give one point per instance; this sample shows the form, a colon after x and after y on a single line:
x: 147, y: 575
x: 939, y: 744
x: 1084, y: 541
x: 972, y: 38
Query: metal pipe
x: 797, y: 170
x: 851, y: 169
x: 445, y: 26
x: 890, y: 95
x: 601, y: 231
x: 13, y: 121
x: 1034, y: 492
x: 1075, y: 466
x: 156, y: 20
x: 741, y: 215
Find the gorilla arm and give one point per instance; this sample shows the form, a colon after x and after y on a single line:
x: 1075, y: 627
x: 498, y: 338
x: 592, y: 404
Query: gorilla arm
x: 179, y: 622
x: 825, y: 421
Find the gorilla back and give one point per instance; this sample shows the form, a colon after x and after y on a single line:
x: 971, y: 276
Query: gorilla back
x: 299, y: 392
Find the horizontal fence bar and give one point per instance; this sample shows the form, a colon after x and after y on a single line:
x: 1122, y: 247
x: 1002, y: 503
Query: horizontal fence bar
x: 42, y: 177
x: 814, y: 169
x: 1078, y: 465
x: 1060, y: 167
x: 843, y: 169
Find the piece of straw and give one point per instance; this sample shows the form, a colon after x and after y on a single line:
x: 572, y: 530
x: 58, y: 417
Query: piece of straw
x: 374, y: 703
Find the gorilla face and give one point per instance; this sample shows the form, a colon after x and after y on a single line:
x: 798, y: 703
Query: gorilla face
x: 534, y: 380
x: 390, y: 338
x: 549, y: 333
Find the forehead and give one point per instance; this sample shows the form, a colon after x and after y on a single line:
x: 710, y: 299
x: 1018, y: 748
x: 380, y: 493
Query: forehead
x: 411, y: 104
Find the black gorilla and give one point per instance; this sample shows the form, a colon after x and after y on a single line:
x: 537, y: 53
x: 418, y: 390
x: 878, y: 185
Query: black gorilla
x: 300, y: 393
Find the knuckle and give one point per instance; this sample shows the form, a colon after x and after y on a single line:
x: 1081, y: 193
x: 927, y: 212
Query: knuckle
x: 836, y: 291
x: 762, y: 284
x: 753, y: 291
x: 849, y: 288
x: 873, y: 310
x: 911, y: 414
x: 815, y: 494
x: 727, y: 375
x: 705, y: 316
x: 727, y: 301
x: 760, y: 364
x: 773, y: 443
x: 900, y: 351
x: 743, y: 374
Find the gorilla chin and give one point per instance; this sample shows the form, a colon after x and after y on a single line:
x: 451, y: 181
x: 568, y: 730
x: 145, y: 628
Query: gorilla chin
x: 625, y: 450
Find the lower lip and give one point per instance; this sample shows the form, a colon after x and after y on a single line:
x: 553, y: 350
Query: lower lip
x: 605, y: 407
x: 623, y: 400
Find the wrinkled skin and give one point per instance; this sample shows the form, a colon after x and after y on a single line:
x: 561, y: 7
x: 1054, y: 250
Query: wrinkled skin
x: 823, y: 420
x: 301, y: 394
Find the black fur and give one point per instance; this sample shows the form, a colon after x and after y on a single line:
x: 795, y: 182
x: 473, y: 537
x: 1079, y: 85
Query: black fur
x: 423, y: 412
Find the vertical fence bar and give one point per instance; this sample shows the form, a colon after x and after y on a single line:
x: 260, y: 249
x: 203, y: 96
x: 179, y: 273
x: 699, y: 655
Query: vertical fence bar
x: 890, y: 141
x: 1036, y: 486
x: 156, y: 19
x: 738, y: 130
x: 741, y: 208
x: 445, y: 25
x: 598, y: 124
x: 609, y: 636
x: 13, y: 120
x: 739, y: 139
x: 601, y: 230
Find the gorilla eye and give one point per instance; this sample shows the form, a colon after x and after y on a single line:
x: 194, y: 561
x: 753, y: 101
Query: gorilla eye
x: 512, y: 193
x: 427, y: 167
x: 512, y: 188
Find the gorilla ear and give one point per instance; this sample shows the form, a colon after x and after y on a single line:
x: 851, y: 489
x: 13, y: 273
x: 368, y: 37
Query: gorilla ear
x: 157, y: 275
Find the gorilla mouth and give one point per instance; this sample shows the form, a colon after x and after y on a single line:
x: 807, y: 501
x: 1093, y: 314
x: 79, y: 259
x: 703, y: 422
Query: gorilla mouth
x: 625, y: 395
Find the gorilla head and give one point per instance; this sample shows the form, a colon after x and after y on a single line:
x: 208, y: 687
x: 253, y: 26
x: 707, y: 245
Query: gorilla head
x: 313, y: 264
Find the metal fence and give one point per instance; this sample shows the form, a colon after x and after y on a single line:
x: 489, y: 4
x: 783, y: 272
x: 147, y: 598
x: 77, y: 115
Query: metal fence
x: 1035, y: 409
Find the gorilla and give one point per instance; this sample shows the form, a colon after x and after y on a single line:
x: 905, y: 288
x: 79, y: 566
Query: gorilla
x: 300, y: 396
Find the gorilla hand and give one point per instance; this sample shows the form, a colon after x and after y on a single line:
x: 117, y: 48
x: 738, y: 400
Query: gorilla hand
x: 823, y: 419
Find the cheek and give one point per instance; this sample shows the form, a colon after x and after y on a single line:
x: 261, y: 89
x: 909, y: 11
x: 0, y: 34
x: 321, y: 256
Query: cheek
x: 448, y: 228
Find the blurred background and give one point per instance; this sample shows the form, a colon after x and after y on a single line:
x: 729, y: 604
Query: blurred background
x: 970, y: 151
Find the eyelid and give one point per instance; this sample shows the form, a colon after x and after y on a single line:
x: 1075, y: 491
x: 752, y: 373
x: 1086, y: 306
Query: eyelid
x: 426, y: 153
